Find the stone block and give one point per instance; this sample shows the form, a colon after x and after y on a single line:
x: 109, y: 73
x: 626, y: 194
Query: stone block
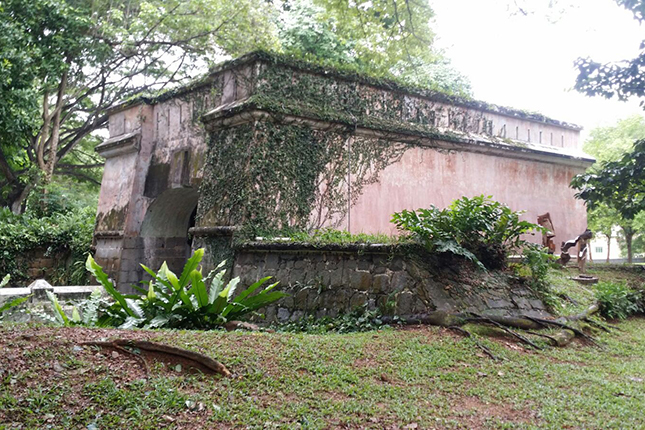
x: 358, y: 300
x: 522, y: 303
x: 537, y: 304
x: 404, y: 303
x: 301, y: 298
x: 379, y: 269
x: 39, y: 288
x: 380, y: 283
x: 499, y: 304
x: 360, y: 280
x: 336, y: 278
x: 245, y: 258
x: 296, y: 315
x: 272, y: 261
x: 400, y: 281
x: 297, y: 275
x: 350, y: 264
x: 283, y: 315
x: 364, y: 264
x: 396, y: 264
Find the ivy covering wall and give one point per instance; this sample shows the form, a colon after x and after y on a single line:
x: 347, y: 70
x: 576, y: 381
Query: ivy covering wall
x: 273, y: 176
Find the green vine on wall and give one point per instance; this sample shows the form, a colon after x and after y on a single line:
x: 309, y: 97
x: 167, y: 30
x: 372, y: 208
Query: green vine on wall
x: 273, y: 176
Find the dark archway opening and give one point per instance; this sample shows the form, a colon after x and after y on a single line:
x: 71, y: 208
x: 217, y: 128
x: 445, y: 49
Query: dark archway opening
x: 165, y: 229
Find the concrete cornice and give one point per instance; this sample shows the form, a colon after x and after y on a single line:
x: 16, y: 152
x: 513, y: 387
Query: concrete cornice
x: 119, y: 145
x: 440, y: 138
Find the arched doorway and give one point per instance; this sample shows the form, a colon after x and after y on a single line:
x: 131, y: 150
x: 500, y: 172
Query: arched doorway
x: 165, y: 228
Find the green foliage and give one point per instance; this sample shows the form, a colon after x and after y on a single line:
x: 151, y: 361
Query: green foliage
x: 359, y: 320
x: 185, y: 301
x: 622, y: 79
x: 387, y: 39
x: 66, y: 234
x: 618, y: 184
x: 535, y: 269
x: 617, y: 300
x: 13, y: 303
x: 610, y: 143
x: 478, y: 229
x: 86, y: 313
x: 342, y: 237
x: 68, y: 62
x: 240, y: 186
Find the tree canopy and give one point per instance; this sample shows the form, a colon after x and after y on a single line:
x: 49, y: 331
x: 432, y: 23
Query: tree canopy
x: 65, y: 63
x: 623, y: 79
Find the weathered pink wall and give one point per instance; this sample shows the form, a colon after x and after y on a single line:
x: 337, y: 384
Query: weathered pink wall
x: 168, y: 159
x: 425, y: 177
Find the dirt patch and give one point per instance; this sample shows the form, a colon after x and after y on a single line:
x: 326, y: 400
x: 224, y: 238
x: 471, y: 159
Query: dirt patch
x: 474, y: 413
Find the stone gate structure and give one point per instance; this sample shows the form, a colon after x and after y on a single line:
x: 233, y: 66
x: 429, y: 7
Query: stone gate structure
x: 265, y: 142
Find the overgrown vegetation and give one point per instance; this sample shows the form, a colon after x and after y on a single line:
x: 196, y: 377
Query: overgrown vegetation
x: 11, y: 303
x: 61, y: 231
x: 535, y: 266
x: 327, y: 236
x: 479, y: 229
x: 617, y: 300
x: 358, y: 320
x: 311, y: 180
x: 184, y: 302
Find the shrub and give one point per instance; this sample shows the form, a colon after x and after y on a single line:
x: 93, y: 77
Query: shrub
x: 479, y: 229
x: 360, y: 319
x: 617, y: 300
x: 535, y: 269
x: 182, y: 302
x: 70, y: 233
x: 13, y: 303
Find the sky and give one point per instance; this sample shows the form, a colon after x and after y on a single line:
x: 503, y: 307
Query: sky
x: 526, y: 61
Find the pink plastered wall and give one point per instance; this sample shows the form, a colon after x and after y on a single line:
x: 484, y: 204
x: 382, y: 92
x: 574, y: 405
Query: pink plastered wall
x: 425, y: 176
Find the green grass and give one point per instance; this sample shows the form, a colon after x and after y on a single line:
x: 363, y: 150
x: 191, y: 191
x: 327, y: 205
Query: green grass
x: 426, y: 376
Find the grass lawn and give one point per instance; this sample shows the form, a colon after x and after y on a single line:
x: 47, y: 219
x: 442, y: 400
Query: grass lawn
x: 413, y: 377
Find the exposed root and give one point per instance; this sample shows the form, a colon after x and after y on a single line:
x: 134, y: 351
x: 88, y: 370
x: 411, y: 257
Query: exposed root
x: 479, y: 345
x: 199, y: 361
x: 139, y: 357
x: 567, y: 327
x: 479, y: 318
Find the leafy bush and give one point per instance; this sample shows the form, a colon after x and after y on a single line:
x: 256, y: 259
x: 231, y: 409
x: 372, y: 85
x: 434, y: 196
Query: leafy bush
x: 329, y: 235
x: 13, y: 303
x: 86, y: 313
x: 70, y: 233
x: 182, y: 302
x: 535, y: 269
x: 617, y: 300
x: 359, y: 320
x: 479, y: 229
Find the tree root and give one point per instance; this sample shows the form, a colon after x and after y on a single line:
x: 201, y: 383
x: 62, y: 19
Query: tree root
x: 479, y: 318
x: 530, y: 324
x: 567, y: 327
x: 199, y: 361
x: 469, y: 335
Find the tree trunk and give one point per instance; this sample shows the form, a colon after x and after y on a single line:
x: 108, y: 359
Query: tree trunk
x: 608, y: 246
x: 17, y: 205
x: 44, y: 133
x: 55, y: 133
x: 629, y: 235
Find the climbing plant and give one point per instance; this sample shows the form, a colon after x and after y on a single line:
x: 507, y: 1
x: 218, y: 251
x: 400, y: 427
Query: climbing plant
x: 271, y: 175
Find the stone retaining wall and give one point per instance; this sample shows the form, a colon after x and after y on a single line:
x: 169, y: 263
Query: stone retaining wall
x: 336, y: 279
x: 38, y: 263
